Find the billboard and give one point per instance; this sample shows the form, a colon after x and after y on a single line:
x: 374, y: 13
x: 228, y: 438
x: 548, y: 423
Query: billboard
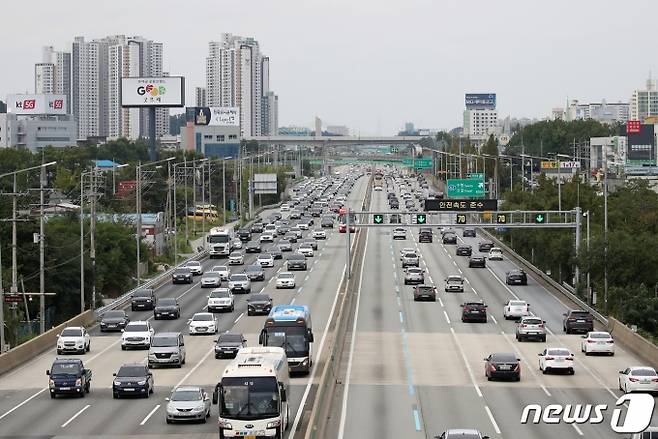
x: 167, y: 91
x: 480, y: 100
x: 36, y: 104
x: 265, y: 184
x: 641, y: 149
x: 214, y: 116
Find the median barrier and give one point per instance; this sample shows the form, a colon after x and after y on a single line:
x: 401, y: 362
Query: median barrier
x: 25, y: 352
x: 633, y: 342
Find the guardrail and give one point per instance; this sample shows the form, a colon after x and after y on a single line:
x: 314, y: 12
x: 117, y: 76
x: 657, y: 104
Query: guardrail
x: 530, y: 268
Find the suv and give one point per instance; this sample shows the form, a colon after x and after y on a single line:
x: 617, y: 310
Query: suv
x: 485, y: 246
x: 469, y: 232
x: 477, y: 261
x: 256, y: 228
x: 167, y: 348
x: 530, y: 327
x: 410, y: 260
x: 166, y: 307
x: 425, y: 234
x: 181, y: 275
x: 73, y: 339
x: 228, y: 344
x: 475, y: 311
x: 143, y: 299
x: 464, y: 250
x: 424, y: 292
x: 137, y: 334
x: 132, y: 379
x: 454, y: 283
x: 449, y: 238
x: 516, y: 277
x: 244, y: 234
x: 296, y: 262
x: 577, y: 320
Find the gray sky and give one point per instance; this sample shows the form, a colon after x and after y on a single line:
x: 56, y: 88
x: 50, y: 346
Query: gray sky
x: 372, y: 64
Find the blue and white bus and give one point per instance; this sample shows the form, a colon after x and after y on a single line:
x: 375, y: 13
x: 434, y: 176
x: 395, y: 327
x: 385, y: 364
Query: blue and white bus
x: 289, y: 327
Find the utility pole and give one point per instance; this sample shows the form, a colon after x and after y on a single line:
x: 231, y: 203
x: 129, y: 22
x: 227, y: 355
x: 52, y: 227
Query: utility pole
x: 2, y: 307
x: 82, y: 243
x: 187, y: 232
x: 224, y: 189
x: 138, y: 202
x: 92, y: 237
x: 605, y: 233
x: 194, y: 197
x: 175, y: 212
x: 42, y: 239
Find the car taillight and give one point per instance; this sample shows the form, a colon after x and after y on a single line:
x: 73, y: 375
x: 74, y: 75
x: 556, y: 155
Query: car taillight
x: 569, y: 358
x: 517, y: 368
x: 633, y: 380
x: 492, y: 367
x: 549, y: 358
x: 467, y: 308
x: 591, y: 341
x: 523, y: 325
x: 541, y: 325
x: 654, y: 380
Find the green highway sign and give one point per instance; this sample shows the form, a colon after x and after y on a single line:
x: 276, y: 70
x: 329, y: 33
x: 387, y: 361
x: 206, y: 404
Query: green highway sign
x: 540, y: 218
x: 421, y: 163
x: 378, y: 219
x: 478, y: 175
x: 421, y: 218
x: 465, y: 187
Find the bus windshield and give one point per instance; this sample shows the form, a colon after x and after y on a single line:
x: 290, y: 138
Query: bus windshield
x: 249, y: 398
x: 292, y: 339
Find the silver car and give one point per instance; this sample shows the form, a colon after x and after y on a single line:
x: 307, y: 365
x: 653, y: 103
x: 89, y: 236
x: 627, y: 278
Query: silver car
x: 454, y: 283
x: 414, y: 275
x: 410, y: 260
x: 187, y: 403
x: 211, y: 279
x: 531, y: 327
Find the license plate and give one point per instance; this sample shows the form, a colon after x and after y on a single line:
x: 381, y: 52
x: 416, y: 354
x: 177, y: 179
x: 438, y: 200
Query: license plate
x: 128, y: 390
x: 64, y: 388
x: 475, y: 312
x: 505, y: 367
x: 600, y: 342
x: 580, y: 321
x: 165, y: 313
x: 532, y: 333
x: 559, y: 360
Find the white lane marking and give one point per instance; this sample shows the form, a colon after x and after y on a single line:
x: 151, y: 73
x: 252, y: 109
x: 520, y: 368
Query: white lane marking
x: 447, y: 318
x: 76, y: 415
x: 491, y: 418
x: 468, y: 366
x: 441, y: 302
x: 494, y: 319
x: 543, y: 387
x: 145, y: 420
x: 578, y: 430
x: 238, y: 319
x: 312, y: 269
x: 299, y: 290
x: 196, y: 366
x: 454, y: 263
x: 188, y: 290
x: 503, y: 284
x: 292, y: 302
x: 343, y: 411
x: 476, y: 293
x: 431, y: 280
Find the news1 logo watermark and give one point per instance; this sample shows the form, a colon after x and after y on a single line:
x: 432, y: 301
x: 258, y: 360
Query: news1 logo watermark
x: 636, y: 419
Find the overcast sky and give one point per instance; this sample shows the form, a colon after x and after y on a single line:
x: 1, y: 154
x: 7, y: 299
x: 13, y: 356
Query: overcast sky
x: 372, y: 64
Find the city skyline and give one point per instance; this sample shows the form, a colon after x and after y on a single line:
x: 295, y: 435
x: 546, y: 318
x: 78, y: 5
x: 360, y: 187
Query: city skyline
x: 366, y: 76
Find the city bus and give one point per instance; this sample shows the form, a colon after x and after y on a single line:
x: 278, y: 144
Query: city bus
x: 289, y: 327
x: 208, y: 211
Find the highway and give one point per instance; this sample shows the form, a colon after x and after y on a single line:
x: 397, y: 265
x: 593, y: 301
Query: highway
x: 413, y: 369
x: 27, y: 411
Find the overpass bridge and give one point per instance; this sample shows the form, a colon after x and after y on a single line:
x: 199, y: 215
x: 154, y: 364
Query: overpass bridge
x: 334, y: 140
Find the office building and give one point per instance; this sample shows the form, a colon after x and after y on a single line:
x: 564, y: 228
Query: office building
x: 270, y: 106
x: 318, y: 126
x: 338, y: 130
x: 644, y: 103
x: 613, y: 147
x: 200, y: 99
x: 480, y: 117
x: 35, y: 132
x: 604, y: 112
x: 53, y: 74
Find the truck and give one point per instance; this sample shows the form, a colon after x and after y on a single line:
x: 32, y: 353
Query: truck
x: 252, y: 394
x: 68, y: 376
x: 219, y: 242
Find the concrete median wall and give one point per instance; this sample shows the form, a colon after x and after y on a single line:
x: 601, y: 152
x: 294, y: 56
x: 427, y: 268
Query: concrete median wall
x: 23, y: 353
x: 633, y: 342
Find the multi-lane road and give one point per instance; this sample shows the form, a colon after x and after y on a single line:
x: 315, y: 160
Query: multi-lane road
x: 413, y: 369
x: 26, y: 409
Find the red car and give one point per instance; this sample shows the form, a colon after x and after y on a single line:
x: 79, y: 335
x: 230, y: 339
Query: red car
x: 342, y: 228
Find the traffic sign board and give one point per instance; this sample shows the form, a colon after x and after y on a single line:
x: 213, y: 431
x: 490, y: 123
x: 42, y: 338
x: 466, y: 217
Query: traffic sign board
x: 501, y: 218
x: 13, y: 298
x: 466, y: 187
x: 479, y: 175
x: 421, y: 218
x: 420, y: 163
x: 378, y: 219
x: 434, y: 205
x: 461, y: 218
x: 540, y: 218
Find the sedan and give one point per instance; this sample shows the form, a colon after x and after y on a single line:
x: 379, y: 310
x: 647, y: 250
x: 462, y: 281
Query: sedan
x: 502, y: 365
x: 260, y: 304
x: 319, y: 234
x: 515, y: 309
x: 228, y: 344
x: 114, y: 320
x: 285, y: 245
x: 414, y: 275
x: 464, y: 250
x: 255, y: 272
x: 312, y: 242
x: 469, y: 232
x: 236, y: 243
x: 203, y: 323
x: 477, y: 261
x: 425, y: 292
x: 222, y: 270
x: 276, y: 252
x: 638, y: 379
x: 285, y: 279
x: 266, y: 260
x: 187, y: 403
x: 211, y: 279
x: 399, y: 233
x: 495, y: 254
x: 195, y: 267
x: 252, y: 247
x: 449, y: 238
x: 552, y: 359
x: 597, y: 342
x: 166, y: 307
x: 306, y: 250
x: 454, y: 283
x: 235, y: 258
x: 516, y: 277
x: 266, y: 237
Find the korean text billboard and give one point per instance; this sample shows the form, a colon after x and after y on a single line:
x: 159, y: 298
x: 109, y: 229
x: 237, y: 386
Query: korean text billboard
x: 36, y: 104
x: 214, y: 116
x: 641, y: 145
x: 168, y: 91
x: 480, y: 100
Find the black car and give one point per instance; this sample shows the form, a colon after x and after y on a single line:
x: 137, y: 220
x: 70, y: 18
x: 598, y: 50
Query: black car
x: 449, y: 238
x: 327, y: 222
x: 485, y: 246
x: 394, y: 205
x: 181, y: 275
x: 296, y: 262
x: 516, y: 277
x: 256, y: 228
x: 276, y: 252
x: 114, y: 320
x: 252, y: 247
x: 425, y: 234
x: 313, y: 242
x: 255, y: 272
x: 464, y: 250
x: 469, y: 232
x: 166, y: 307
x: 474, y: 312
x: 577, y: 320
x: 502, y: 365
x: 477, y: 261
x: 259, y: 304
x: 243, y: 234
x: 134, y: 379
x: 143, y: 299
x: 316, y: 212
x: 424, y: 292
x: 228, y: 344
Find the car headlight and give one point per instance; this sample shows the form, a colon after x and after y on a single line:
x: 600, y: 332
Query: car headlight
x: 51, y: 383
x: 199, y: 408
x: 225, y: 425
x: 305, y: 362
x: 171, y: 410
x: 141, y: 383
x: 274, y: 424
x: 78, y: 382
x: 117, y: 383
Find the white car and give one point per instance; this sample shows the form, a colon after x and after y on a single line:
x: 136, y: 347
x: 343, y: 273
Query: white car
x: 306, y: 250
x: 137, y: 334
x: 515, y: 309
x: 638, y: 379
x: 495, y: 254
x: 223, y: 271
x: 302, y: 226
x: 297, y: 231
x: 239, y: 282
x: 285, y: 279
x: 266, y: 260
x: 556, y: 359
x: 285, y: 207
x: 399, y: 233
x: 235, y: 258
x: 595, y: 342
x: 406, y: 250
x: 73, y: 339
x: 319, y: 234
x: 203, y: 323
x: 195, y: 267
x: 221, y: 299
x: 266, y: 237
x: 236, y: 244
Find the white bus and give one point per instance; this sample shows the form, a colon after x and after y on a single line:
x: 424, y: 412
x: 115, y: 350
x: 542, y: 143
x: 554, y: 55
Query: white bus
x: 219, y: 242
x: 253, y: 394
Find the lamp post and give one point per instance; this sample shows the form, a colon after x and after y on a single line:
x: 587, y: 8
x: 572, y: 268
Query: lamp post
x: 224, y: 186
x: 589, y: 286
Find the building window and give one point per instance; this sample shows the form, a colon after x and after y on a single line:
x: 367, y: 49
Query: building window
x: 232, y: 136
x: 220, y: 137
x: 207, y: 136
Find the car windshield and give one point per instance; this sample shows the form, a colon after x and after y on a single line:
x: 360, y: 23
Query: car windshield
x: 193, y: 264
x: 219, y: 268
x: 202, y: 317
x: 424, y: 288
x: 265, y: 256
x: 414, y: 270
x: 643, y: 372
x: 259, y: 298
x: 71, y: 333
x: 410, y: 255
x: 137, y: 328
x: 167, y: 302
x: 558, y: 352
x: 164, y: 341
x: 532, y: 321
x: 179, y: 271
x: 296, y: 258
x: 142, y: 293
x: 131, y: 371
x: 114, y: 315
x: 212, y: 274
x: 238, y: 277
x: 286, y: 276
x: 65, y: 369
x: 219, y: 295
x: 235, y: 254
x: 186, y: 395
x: 253, y: 269
x: 579, y: 314
x: 599, y: 335
x: 504, y: 357
x: 230, y: 338
x: 516, y: 303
